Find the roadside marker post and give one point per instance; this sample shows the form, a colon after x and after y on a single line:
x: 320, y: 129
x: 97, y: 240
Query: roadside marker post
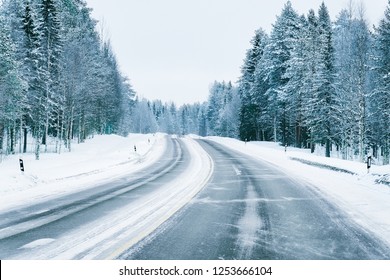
x: 369, y: 161
x: 21, y: 165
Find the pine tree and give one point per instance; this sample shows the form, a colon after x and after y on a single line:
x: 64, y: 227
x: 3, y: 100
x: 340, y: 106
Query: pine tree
x: 251, y: 90
x: 273, y: 67
x: 11, y: 89
x: 298, y: 76
x: 380, y: 100
x: 322, y: 114
x: 351, y: 41
x: 50, y: 26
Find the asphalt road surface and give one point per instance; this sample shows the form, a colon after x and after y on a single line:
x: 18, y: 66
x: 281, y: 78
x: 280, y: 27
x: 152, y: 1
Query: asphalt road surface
x: 251, y: 210
x: 54, y: 218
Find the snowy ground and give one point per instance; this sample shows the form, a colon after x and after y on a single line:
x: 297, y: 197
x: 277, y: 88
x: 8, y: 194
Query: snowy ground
x: 359, y: 195
x: 98, y: 159
x: 104, y: 157
x: 94, y: 162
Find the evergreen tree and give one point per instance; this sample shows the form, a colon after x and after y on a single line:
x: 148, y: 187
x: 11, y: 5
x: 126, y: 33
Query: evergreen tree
x: 322, y: 114
x: 273, y: 67
x: 251, y: 89
x: 351, y: 41
x: 380, y: 100
x: 51, y: 48
x: 11, y: 89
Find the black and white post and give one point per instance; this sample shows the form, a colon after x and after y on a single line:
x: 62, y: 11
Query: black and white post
x: 369, y: 161
x: 21, y: 165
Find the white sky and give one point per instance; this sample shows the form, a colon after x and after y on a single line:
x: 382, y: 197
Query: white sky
x: 174, y: 49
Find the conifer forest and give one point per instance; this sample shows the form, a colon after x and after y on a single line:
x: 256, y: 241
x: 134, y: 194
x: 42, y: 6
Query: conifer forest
x: 312, y: 82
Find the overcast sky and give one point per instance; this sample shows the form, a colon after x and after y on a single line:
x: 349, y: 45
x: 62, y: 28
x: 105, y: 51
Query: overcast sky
x: 174, y: 49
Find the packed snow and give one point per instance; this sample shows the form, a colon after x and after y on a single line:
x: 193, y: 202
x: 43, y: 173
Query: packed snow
x: 365, y: 200
x: 113, y: 233
x: 97, y: 160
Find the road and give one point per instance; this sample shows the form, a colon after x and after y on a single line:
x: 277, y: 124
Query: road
x: 38, y: 231
x: 251, y: 210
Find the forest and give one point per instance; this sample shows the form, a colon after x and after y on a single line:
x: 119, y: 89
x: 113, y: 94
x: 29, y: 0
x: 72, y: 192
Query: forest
x: 58, y: 79
x: 310, y: 83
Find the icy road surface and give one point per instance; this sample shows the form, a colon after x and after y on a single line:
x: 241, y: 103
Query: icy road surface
x: 252, y: 210
x: 101, y: 222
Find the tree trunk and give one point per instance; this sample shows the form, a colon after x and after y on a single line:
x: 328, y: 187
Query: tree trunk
x: 1, y: 140
x: 61, y: 135
x: 38, y: 145
x: 46, y: 132
x: 70, y: 133
x: 12, y: 139
x: 20, y: 133
x: 327, y: 148
x: 275, y: 128
x: 312, y: 147
x: 25, y: 132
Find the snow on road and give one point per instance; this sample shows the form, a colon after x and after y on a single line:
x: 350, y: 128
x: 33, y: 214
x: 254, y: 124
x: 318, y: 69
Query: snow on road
x: 97, y: 160
x: 364, y: 200
x: 110, y: 235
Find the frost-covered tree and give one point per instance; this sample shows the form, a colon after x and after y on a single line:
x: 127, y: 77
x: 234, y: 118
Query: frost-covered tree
x: 69, y: 82
x: 352, y: 42
x: 220, y: 114
x: 273, y: 67
x: 252, y: 87
x: 11, y: 89
x: 322, y: 114
x: 380, y: 97
x: 143, y: 118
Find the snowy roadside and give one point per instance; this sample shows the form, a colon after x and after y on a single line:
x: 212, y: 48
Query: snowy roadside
x: 114, y: 233
x: 99, y: 159
x: 359, y: 195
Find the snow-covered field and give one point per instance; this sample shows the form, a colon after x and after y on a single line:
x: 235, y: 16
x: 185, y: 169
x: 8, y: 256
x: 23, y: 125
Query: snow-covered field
x: 98, y: 159
x: 359, y: 195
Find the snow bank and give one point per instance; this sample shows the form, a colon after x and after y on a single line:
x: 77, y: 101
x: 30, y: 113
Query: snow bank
x: 98, y: 159
x: 359, y: 195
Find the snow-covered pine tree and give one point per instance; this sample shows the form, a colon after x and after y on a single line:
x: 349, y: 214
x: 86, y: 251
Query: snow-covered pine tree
x: 202, y: 120
x: 351, y: 43
x: 380, y: 97
x: 215, y: 105
x: 298, y: 75
x: 273, y: 66
x: 143, y: 119
x: 323, y: 109
x: 11, y: 89
x: 230, y: 114
x: 251, y: 89
x: 51, y: 49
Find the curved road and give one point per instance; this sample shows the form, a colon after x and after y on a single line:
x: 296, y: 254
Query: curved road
x: 251, y: 210
x: 24, y: 231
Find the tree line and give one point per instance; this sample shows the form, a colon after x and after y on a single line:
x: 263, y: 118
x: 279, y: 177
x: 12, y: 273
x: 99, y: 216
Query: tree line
x: 313, y: 82
x: 310, y: 83
x: 58, y: 78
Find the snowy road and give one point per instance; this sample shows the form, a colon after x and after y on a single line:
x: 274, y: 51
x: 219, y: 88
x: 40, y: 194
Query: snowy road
x: 101, y: 221
x: 251, y: 210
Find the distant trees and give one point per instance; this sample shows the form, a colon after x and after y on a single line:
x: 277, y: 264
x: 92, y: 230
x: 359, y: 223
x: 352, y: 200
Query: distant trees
x: 223, y: 110
x: 58, y: 78
x: 310, y: 83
